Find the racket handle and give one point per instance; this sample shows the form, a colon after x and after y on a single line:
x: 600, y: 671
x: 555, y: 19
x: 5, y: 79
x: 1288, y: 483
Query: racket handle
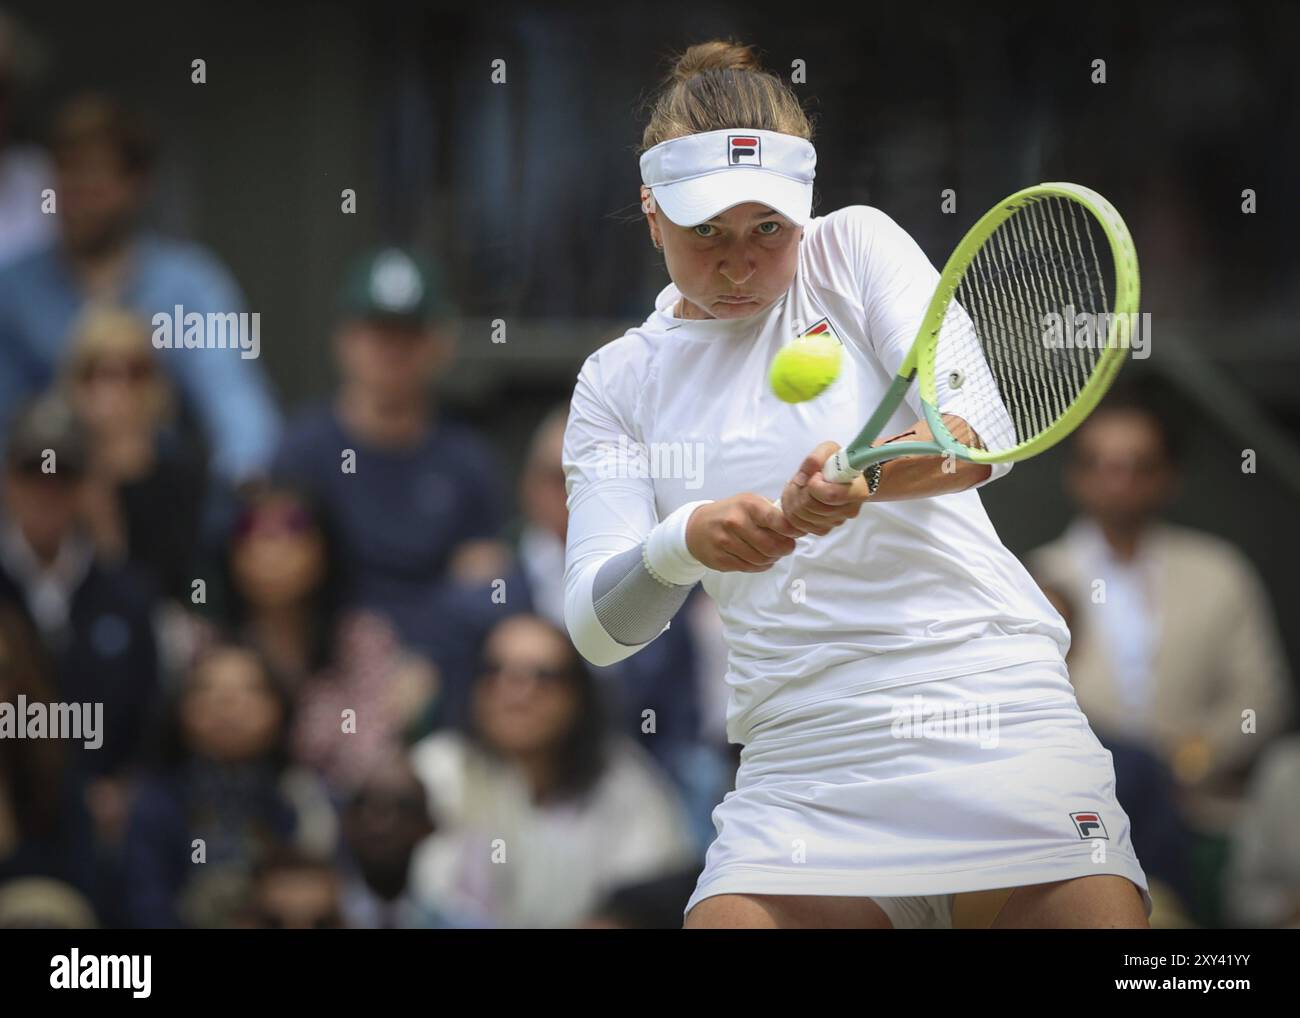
x: 834, y: 469
x: 837, y: 468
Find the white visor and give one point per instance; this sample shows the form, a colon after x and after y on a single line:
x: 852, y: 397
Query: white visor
x: 698, y: 176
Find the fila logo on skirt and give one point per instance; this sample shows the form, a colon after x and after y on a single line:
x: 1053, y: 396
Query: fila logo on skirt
x: 1089, y: 825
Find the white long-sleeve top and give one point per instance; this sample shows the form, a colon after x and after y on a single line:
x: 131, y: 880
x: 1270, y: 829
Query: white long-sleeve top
x: 678, y: 412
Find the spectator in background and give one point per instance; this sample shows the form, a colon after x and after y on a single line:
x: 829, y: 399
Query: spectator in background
x: 662, y: 678
x: 657, y: 904
x: 541, y: 532
x: 384, y: 822
x: 94, y: 617
x: 1148, y: 793
x: 283, y: 581
x: 1177, y: 650
x: 37, y: 903
x: 225, y: 780
x: 357, y: 692
x: 44, y: 828
x: 665, y: 677
x: 103, y: 161
x: 145, y: 488
x: 1177, y: 636
x: 417, y: 498
x: 293, y: 890
x: 25, y: 170
x: 539, y: 784
x: 1262, y: 889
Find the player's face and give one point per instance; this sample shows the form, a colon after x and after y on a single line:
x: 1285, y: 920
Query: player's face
x: 734, y: 265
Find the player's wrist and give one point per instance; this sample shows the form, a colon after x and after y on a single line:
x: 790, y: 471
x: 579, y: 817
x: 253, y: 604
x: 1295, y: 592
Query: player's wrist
x: 666, y: 553
x: 873, y: 474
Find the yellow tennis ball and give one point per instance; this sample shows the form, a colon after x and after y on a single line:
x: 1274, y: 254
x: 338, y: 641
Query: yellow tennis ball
x: 805, y: 367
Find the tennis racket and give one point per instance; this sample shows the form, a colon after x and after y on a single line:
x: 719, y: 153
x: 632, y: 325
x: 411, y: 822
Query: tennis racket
x: 987, y: 350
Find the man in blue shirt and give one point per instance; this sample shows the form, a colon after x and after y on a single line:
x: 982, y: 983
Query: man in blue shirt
x: 103, y: 161
x: 418, y: 500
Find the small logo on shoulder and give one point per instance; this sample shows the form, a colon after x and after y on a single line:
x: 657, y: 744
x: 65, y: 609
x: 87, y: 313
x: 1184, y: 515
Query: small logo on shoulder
x: 1089, y: 826
x: 822, y: 327
x: 744, y: 150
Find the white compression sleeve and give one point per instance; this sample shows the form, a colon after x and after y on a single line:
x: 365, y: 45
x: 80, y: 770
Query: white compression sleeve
x: 621, y: 592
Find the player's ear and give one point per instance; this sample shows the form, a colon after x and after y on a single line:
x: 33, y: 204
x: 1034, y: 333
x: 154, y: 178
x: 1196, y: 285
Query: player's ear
x: 649, y: 207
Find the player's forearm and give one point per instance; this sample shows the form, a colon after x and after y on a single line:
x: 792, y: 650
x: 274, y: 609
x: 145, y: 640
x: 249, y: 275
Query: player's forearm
x: 926, y: 476
x: 618, y: 603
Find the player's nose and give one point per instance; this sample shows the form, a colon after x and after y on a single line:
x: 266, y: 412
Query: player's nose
x: 736, y: 271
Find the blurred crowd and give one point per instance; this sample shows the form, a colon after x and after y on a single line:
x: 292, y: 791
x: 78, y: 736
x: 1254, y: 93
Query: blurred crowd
x: 336, y: 686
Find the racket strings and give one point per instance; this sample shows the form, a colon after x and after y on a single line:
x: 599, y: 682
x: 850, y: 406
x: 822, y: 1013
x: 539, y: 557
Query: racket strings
x: 1009, y: 357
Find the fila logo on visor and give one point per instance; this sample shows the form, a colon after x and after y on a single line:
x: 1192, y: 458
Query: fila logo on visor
x: 1089, y: 825
x: 744, y: 150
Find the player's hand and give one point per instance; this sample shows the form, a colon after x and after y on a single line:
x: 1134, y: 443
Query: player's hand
x: 815, y: 505
x: 745, y: 533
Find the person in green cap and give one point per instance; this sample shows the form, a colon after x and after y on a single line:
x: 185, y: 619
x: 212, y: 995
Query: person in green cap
x: 417, y: 497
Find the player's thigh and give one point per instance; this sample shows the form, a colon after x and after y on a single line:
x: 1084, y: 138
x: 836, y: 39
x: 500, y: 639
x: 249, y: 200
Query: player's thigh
x: 785, y: 912
x: 1102, y: 901
x: 976, y: 910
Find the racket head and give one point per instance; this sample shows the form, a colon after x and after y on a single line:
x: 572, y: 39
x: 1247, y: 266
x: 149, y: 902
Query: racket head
x: 1053, y: 249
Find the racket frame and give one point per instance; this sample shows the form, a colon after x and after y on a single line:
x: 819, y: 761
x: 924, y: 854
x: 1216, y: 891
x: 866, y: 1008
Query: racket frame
x: 851, y: 460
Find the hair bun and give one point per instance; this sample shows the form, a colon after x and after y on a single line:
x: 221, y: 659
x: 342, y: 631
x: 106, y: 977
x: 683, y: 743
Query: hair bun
x: 716, y: 55
x: 719, y: 85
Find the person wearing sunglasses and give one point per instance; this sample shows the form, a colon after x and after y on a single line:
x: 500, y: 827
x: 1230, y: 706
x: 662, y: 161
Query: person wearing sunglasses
x: 146, y: 485
x: 358, y: 692
x: 539, y: 782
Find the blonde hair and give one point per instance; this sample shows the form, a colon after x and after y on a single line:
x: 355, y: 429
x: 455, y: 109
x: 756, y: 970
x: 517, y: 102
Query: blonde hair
x: 108, y: 331
x: 718, y: 85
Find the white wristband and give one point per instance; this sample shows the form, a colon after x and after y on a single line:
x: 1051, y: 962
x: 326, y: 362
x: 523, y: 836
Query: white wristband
x: 665, y: 553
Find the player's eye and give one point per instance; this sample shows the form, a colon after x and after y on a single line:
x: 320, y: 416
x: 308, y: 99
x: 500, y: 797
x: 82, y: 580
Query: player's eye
x: 703, y: 226
x: 776, y: 228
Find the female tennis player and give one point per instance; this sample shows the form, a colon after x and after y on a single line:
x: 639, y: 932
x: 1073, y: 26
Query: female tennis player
x: 897, y: 679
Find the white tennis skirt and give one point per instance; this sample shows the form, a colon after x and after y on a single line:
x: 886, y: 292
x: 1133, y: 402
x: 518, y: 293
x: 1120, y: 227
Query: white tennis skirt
x: 911, y: 794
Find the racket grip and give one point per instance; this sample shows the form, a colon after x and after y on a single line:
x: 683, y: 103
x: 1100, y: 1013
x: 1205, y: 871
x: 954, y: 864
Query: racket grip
x: 837, y: 469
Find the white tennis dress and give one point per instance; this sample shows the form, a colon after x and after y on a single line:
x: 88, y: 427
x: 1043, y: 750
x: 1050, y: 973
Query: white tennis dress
x: 899, y: 687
